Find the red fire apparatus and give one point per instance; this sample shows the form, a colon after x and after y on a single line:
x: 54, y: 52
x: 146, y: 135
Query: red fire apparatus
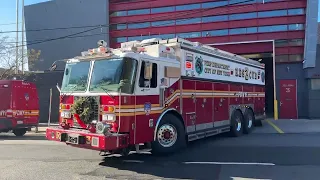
x: 19, y: 107
x: 157, y: 95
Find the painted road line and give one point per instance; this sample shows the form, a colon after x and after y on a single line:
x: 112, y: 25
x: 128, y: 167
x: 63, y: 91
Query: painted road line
x: 275, y: 127
x: 231, y: 163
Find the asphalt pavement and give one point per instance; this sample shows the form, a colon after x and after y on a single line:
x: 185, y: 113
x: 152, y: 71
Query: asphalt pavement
x: 267, y: 153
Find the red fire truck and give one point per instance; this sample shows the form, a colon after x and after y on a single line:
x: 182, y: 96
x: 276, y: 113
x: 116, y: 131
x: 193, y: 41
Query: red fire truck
x: 19, y: 107
x: 157, y: 95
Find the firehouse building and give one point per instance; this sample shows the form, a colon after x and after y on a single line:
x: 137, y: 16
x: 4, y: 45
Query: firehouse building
x: 280, y: 33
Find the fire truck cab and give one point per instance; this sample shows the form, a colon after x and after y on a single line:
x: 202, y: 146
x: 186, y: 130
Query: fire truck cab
x: 156, y: 95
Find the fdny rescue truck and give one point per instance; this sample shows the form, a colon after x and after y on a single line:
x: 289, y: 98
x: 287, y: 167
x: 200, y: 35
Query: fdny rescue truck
x: 157, y: 95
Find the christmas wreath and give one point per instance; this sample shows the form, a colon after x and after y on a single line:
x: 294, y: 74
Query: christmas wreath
x: 84, y: 107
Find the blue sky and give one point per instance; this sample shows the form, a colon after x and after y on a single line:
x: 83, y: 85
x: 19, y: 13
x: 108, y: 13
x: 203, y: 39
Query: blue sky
x: 8, y: 14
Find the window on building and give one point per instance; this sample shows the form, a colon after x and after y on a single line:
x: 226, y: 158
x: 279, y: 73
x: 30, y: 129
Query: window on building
x: 295, y: 57
x: 137, y: 38
x: 237, y: 31
x: 238, y: 2
x: 138, y: 12
x: 188, y: 21
x: 153, y: 81
x: 138, y: 25
x: 189, y: 35
x: 222, y: 32
x: 281, y: 43
x: 118, y: 26
x: 214, y: 4
x: 315, y: 84
x: 296, y: 27
x: 188, y: 7
x: 296, y: 11
x: 119, y: 39
x: 266, y: 1
x: 162, y: 23
x: 252, y: 30
x: 118, y: 13
x: 282, y: 58
x: 296, y: 42
x: 242, y: 16
x: 162, y: 9
x: 275, y: 28
x: 214, y: 18
x: 163, y: 36
x: 272, y: 13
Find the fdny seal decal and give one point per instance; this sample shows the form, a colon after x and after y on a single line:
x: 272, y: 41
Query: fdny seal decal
x: 26, y: 96
x: 199, y: 65
x: 147, y: 108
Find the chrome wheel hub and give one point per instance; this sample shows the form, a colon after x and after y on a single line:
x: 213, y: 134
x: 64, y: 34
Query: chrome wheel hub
x: 238, y: 121
x: 167, y: 135
x: 250, y: 122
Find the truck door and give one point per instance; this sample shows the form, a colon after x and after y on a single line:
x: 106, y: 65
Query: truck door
x: 204, y: 105
x: 221, y: 104
x: 147, y: 102
x: 189, y: 104
x: 25, y: 103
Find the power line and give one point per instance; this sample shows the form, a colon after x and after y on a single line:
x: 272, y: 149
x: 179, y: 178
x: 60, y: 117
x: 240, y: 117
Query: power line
x: 143, y: 20
x: 178, y: 20
x: 51, y: 29
x: 81, y: 32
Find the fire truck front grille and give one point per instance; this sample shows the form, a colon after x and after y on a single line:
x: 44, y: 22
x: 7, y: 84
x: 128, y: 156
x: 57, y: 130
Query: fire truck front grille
x: 94, y: 107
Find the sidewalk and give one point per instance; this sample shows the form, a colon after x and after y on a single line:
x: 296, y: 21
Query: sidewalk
x: 291, y: 126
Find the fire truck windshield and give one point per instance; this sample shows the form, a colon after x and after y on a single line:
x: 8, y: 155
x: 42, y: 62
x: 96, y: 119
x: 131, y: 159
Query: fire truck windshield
x: 113, y: 74
x: 75, y: 77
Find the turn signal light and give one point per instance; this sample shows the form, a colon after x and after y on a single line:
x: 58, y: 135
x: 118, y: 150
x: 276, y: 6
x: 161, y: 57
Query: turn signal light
x: 65, y: 106
x: 109, y: 109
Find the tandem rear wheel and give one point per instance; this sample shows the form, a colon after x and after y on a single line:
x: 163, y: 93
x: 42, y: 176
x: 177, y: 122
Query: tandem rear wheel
x: 236, y: 128
x: 170, y: 136
x: 19, y: 132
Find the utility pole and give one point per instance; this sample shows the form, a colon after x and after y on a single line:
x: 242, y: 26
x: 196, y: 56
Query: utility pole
x: 22, y: 41
x: 17, y: 39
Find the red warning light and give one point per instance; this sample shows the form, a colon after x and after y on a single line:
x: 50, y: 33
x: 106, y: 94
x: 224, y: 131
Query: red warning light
x: 188, y: 65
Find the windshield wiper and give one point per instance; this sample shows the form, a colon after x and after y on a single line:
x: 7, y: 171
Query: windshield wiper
x: 107, y: 91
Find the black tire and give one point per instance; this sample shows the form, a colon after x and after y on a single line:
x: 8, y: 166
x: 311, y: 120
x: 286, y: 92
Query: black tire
x: 248, y: 121
x: 19, y: 132
x: 235, y: 119
x: 168, y: 123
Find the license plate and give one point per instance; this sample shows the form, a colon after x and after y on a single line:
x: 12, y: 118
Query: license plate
x: 73, y: 139
x: 19, y: 122
x: 65, y: 114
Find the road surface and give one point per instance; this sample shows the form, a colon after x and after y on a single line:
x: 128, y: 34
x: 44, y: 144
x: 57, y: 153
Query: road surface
x: 265, y: 154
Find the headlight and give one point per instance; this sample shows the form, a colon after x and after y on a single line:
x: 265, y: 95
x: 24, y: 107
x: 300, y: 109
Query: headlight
x: 102, y: 128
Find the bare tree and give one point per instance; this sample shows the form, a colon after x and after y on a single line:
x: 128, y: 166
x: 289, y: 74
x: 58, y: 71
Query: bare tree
x: 8, y: 58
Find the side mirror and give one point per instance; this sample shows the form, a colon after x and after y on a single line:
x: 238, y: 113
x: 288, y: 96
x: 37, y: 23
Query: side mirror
x: 148, y: 70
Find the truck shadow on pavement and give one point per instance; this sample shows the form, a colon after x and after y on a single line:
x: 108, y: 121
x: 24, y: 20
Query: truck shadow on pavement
x: 177, y: 165
x: 10, y: 137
